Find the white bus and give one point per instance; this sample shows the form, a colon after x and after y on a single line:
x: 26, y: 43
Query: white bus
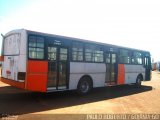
x: 44, y: 63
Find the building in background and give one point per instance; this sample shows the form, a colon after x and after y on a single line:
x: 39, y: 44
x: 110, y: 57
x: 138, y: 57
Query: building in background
x: 156, y: 66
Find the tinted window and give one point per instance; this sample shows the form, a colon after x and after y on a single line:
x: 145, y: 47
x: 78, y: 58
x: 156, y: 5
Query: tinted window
x: 108, y: 58
x: 77, y: 51
x: 93, y: 53
x: 137, y: 58
x: 36, y: 47
x: 124, y: 56
x: 63, y: 54
x: 52, y: 53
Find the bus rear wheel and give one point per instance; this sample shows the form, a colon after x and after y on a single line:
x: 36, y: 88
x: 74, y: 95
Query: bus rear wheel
x: 84, y: 86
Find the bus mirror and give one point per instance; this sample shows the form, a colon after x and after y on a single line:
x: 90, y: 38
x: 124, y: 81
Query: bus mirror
x: 2, y: 35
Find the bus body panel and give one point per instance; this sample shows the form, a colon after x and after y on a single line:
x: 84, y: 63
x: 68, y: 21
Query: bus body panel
x: 95, y: 70
x: 86, y: 68
x: 36, y: 82
x: 22, y: 63
x: 121, y: 74
x: 132, y: 71
x: 10, y: 69
x: 37, y: 74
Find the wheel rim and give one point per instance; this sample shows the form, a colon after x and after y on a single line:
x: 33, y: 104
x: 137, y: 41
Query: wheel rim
x: 84, y: 86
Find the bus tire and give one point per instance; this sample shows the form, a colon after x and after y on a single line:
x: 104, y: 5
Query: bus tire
x: 84, y: 85
x: 139, y: 81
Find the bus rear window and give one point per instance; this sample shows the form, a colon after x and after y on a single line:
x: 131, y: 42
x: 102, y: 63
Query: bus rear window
x: 11, y: 44
x: 36, y: 47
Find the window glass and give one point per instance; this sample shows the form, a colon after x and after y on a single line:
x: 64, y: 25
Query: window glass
x: 36, y: 47
x: 63, y: 57
x: 88, y: 56
x: 108, y: 58
x: 124, y: 56
x: 40, y: 44
x: 40, y: 55
x: 32, y: 41
x: 32, y: 54
x: 63, y: 50
x: 77, y: 51
x: 40, y: 39
x: 147, y: 61
x: 93, y: 53
x: 52, y: 49
x: 137, y: 58
x: 63, y: 54
x: 32, y: 44
x: 113, y: 58
x: 52, y: 53
x: 40, y: 50
x: 32, y: 38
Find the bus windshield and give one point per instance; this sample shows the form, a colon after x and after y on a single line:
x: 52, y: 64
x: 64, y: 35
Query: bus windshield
x: 11, y: 44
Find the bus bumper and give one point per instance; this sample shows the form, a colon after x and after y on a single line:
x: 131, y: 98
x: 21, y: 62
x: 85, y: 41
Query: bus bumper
x: 13, y: 83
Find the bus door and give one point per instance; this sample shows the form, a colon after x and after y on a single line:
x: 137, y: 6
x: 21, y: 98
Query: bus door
x: 111, y: 68
x: 147, y: 65
x: 57, y: 67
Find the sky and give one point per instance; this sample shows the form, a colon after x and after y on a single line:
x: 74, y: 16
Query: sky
x: 128, y: 23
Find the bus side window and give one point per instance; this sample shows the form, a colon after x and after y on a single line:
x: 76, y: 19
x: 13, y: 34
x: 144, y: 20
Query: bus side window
x: 108, y: 59
x: 36, y: 47
x: 125, y: 56
x: 93, y: 53
x: 137, y: 58
x: 146, y: 62
x: 77, y: 51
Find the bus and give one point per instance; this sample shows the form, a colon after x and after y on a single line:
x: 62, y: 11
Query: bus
x: 41, y: 62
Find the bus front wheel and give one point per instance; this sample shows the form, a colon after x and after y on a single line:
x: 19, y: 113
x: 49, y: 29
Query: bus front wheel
x: 84, y: 86
x: 138, y: 81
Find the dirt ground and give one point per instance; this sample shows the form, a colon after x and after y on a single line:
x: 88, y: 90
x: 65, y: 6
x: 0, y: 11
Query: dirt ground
x: 127, y: 99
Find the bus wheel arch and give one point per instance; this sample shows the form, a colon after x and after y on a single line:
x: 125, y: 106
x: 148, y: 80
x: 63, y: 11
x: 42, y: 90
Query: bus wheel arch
x: 85, y: 85
x: 139, y: 80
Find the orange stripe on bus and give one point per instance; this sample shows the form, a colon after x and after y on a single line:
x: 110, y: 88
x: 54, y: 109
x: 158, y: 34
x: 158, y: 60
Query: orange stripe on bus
x: 37, y: 82
x: 121, y: 74
x: 13, y: 83
x: 1, y: 58
x: 36, y: 79
x: 37, y: 66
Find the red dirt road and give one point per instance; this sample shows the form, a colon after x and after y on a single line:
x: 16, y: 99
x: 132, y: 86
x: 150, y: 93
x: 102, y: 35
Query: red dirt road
x: 115, y: 100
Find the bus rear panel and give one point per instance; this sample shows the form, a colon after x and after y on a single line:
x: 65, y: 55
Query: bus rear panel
x: 14, y: 58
